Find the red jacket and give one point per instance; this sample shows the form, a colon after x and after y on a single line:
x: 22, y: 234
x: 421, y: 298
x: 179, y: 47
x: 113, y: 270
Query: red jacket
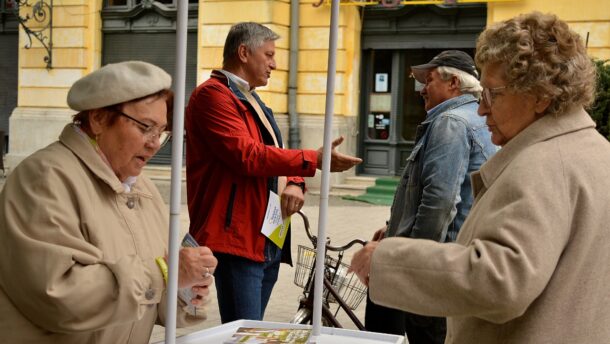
x: 228, y: 168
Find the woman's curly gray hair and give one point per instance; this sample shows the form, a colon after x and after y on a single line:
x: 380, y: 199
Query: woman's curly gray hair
x: 542, y: 56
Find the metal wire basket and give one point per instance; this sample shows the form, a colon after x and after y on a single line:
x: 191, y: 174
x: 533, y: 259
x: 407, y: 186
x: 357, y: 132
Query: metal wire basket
x: 347, y: 285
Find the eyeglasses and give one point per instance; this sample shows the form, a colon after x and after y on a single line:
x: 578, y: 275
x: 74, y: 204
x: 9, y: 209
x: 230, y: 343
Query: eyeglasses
x: 487, y: 96
x: 150, y: 132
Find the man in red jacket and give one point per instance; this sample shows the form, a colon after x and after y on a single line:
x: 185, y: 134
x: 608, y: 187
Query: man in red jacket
x: 235, y: 160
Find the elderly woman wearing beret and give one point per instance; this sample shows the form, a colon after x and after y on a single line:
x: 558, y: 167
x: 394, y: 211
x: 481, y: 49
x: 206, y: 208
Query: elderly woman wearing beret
x: 532, y: 261
x: 82, y: 234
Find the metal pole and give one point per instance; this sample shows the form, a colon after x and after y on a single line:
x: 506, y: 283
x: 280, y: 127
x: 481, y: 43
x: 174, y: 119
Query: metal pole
x: 294, y: 140
x: 176, y: 183
x: 324, y: 187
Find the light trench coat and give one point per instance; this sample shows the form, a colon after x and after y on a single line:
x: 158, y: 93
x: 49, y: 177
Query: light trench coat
x: 532, y: 261
x: 77, y: 252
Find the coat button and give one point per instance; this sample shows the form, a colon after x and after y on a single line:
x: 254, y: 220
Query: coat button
x: 149, y: 294
x: 130, y: 203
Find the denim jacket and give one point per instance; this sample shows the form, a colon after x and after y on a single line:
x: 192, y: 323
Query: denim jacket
x: 434, y: 194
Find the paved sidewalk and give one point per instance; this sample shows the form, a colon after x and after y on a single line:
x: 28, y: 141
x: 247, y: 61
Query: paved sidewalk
x: 346, y: 220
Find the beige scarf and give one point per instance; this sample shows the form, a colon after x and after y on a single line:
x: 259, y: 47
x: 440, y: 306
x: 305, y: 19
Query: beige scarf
x: 281, y: 180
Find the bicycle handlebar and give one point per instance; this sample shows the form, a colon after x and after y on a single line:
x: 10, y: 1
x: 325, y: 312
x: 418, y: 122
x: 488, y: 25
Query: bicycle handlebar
x: 314, y: 239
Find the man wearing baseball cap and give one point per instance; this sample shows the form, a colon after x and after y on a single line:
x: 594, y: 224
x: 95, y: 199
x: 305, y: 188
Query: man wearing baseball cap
x: 434, y: 195
x: 449, y: 58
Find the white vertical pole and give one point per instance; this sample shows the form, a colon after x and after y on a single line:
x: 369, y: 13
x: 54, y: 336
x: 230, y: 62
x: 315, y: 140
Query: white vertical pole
x: 324, y: 187
x: 176, y: 183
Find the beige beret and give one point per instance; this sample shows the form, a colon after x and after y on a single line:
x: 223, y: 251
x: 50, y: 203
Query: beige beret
x: 117, y: 83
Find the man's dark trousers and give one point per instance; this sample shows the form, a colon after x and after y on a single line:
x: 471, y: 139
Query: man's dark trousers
x: 419, y: 329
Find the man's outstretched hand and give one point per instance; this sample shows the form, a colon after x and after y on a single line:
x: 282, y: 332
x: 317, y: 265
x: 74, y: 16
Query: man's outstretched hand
x: 339, y: 162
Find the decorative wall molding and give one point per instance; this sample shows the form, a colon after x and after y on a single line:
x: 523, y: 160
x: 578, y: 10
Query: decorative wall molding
x: 145, y: 16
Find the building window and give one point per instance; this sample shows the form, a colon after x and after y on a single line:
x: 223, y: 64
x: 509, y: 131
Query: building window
x: 114, y: 3
x: 145, y: 30
x: 145, y: 3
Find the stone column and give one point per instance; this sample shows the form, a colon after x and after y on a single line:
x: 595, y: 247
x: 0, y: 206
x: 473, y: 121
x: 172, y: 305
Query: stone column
x: 41, y: 111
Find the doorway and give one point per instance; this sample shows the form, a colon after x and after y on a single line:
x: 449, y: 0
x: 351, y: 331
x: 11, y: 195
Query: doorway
x: 391, y: 107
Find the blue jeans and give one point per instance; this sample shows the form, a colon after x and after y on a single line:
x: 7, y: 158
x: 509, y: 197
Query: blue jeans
x: 244, y: 286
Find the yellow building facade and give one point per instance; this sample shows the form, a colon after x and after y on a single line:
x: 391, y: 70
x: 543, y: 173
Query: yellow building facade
x: 84, y: 32
x: 585, y: 17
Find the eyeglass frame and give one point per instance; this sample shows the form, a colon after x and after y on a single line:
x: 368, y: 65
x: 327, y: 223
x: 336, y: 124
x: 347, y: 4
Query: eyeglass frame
x: 487, y: 95
x: 148, y: 130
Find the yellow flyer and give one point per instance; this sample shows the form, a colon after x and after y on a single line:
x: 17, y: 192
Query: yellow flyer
x: 274, y: 227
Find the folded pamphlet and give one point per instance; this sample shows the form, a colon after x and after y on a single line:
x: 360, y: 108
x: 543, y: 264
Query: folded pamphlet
x: 253, y: 335
x: 274, y: 226
x: 186, y: 294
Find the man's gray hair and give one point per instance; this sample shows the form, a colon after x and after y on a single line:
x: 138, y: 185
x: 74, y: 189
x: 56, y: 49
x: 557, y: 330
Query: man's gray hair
x: 250, y: 34
x: 468, y: 83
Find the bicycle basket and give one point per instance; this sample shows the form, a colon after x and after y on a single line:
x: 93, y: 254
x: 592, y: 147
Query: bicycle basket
x: 347, y: 285
x: 305, y: 262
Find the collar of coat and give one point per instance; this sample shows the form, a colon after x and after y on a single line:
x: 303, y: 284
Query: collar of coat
x: 217, y: 74
x: 239, y: 82
x: 448, y: 105
x: 545, y: 128
x: 85, y: 152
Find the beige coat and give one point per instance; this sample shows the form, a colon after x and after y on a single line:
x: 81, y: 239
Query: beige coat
x: 77, y: 253
x: 532, y: 261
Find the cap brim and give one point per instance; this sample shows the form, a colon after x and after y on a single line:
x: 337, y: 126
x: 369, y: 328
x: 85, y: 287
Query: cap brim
x: 421, y: 71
